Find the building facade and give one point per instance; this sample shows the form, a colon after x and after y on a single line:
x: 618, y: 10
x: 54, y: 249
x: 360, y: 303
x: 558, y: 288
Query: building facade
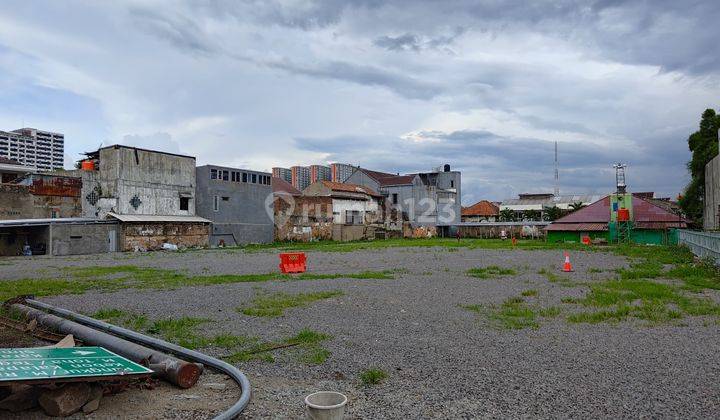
x: 300, y: 177
x: 42, y: 150
x: 422, y: 199
x: 283, y: 173
x: 41, y: 196
x: 320, y: 173
x: 236, y: 201
x: 150, y: 193
x: 711, y: 203
x: 340, y: 172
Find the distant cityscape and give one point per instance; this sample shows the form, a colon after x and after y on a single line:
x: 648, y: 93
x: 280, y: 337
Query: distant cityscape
x: 302, y: 176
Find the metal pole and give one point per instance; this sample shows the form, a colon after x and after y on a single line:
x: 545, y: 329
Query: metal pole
x: 175, y: 371
x: 164, y: 346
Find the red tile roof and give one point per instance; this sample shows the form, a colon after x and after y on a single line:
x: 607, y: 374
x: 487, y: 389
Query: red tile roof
x: 646, y: 215
x: 279, y: 185
x: 397, y: 180
x: 481, y: 208
x: 385, y: 179
x: 352, y: 188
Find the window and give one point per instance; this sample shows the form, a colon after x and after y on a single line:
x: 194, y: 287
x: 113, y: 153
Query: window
x: 353, y: 217
x: 244, y: 177
x: 216, y: 203
x: 184, y: 203
x: 213, y: 174
x: 225, y: 175
x: 452, y: 184
x: 54, y: 213
x: 254, y: 178
x: 232, y: 176
x: 226, y: 198
x: 395, y: 198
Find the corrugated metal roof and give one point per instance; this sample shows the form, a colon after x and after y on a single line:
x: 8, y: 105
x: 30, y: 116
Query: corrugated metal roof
x: 56, y: 221
x: 351, y: 188
x: 279, y: 185
x: 660, y: 225
x: 157, y: 218
x: 597, y: 212
x: 578, y: 227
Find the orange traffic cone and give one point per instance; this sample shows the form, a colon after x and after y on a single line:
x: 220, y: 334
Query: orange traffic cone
x: 567, y: 267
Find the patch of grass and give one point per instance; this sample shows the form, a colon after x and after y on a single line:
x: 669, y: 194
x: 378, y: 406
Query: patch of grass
x: 554, y: 278
x: 372, y: 376
x: 181, y: 331
x: 307, y: 341
x: 273, y: 305
x: 450, y: 243
x: 570, y: 300
x: 135, y: 322
x: 514, y: 314
x: 696, y: 276
x: 550, y: 312
x: 595, y: 270
x: 112, y: 278
x: 490, y: 271
x: 315, y: 356
x: 643, y: 299
x: 530, y: 292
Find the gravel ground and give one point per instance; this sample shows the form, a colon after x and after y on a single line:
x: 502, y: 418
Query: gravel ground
x: 443, y: 361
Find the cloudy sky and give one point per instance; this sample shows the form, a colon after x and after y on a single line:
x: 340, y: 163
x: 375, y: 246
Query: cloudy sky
x: 399, y: 86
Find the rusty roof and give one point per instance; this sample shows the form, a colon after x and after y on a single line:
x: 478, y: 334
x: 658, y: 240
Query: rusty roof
x: 279, y: 185
x: 578, y: 227
x: 646, y: 215
x: 397, y: 180
x: 352, y: 188
x: 481, y: 208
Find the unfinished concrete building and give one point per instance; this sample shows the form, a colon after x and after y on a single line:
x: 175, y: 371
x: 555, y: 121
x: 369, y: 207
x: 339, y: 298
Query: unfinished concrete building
x: 237, y: 202
x: 40, y: 196
x: 151, y: 194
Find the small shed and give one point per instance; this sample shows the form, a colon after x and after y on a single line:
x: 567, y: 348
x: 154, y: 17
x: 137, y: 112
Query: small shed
x: 150, y: 232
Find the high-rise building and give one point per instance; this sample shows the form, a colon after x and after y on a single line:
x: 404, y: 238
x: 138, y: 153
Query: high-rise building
x: 340, y: 172
x: 282, y: 173
x: 300, y: 177
x: 320, y: 173
x: 42, y: 150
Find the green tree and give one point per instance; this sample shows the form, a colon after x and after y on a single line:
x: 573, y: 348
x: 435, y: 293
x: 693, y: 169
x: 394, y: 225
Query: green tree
x: 506, y: 215
x: 576, y: 206
x: 704, y: 146
x: 533, y: 215
x: 553, y: 213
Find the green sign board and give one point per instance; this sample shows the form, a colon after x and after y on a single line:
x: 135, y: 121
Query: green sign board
x: 23, y: 364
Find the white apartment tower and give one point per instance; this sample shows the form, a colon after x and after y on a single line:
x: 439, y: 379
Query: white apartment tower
x: 42, y: 150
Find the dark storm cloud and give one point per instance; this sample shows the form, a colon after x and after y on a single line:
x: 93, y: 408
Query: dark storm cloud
x: 401, y: 84
x: 497, y: 167
x: 413, y: 42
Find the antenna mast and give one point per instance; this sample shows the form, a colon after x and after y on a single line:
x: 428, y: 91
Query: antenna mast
x: 557, y: 174
x: 620, y: 177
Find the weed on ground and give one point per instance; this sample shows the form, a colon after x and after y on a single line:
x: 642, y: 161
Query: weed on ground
x: 490, y: 271
x: 274, y: 305
x: 372, y: 376
x: 635, y: 294
x: 112, y: 278
x: 306, y: 344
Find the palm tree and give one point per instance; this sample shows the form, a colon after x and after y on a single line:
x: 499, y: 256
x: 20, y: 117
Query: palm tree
x: 576, y: 206
x: 533, y: 215
x: 506, y: 215
x: 553, y: 213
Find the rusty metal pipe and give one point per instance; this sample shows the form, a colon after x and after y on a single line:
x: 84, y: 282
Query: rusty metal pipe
x: 175, y: 371
x: 155, y: 343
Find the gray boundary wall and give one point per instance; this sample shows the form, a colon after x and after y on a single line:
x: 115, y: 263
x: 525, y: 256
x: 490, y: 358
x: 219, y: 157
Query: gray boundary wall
x: 702, y: 244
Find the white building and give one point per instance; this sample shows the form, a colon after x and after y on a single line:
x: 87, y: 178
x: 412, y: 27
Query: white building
x: 43, y: 150
x: 351, y: 204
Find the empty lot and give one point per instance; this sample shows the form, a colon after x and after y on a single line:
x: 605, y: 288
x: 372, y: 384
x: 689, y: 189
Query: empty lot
x: 446, y: 331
